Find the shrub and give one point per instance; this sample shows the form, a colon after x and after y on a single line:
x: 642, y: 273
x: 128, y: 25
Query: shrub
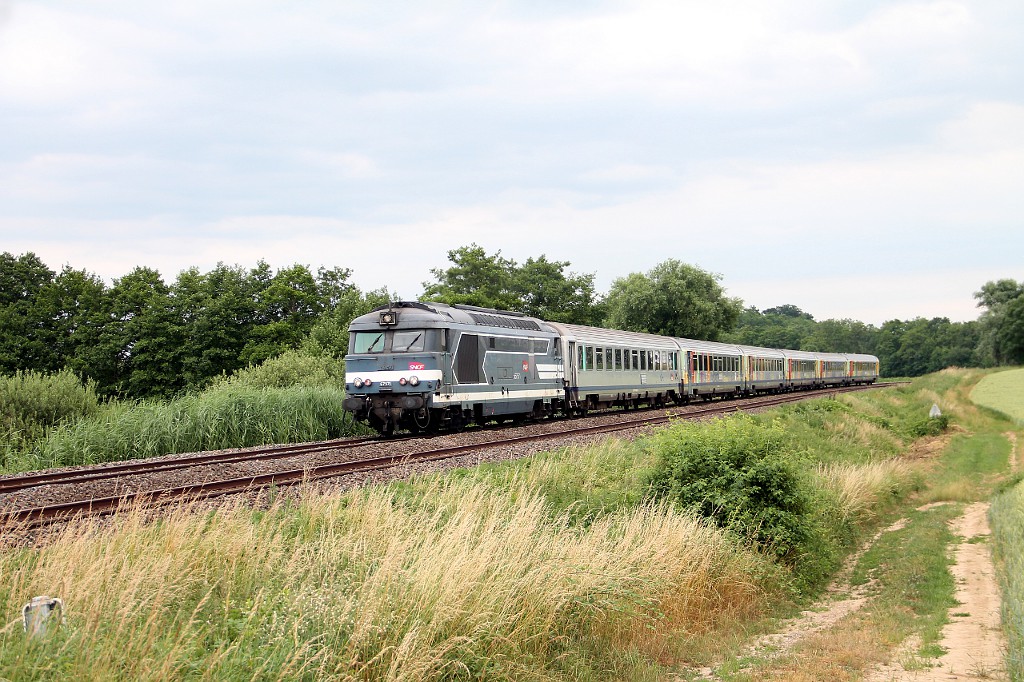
x: 740, y: 474
x: 31, y: 403
x: 292, y: 368
x: 929, y: 426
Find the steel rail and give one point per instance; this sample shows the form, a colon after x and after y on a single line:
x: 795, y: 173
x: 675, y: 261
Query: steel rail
x: 35, y: 516
x: 14, y: 483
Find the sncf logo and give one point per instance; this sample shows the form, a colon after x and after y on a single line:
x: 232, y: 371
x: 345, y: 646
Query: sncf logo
x: 417, y: 365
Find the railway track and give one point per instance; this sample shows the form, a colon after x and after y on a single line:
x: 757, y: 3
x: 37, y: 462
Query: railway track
x: 41, y: 514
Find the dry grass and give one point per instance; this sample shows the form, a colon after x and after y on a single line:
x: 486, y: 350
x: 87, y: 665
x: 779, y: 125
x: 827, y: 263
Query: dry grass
x: 369, y: 587
x: 862, y: 488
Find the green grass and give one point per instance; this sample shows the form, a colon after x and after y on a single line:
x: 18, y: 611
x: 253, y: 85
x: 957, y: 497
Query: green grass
x: 1002, y: 392
x: 223, y: 417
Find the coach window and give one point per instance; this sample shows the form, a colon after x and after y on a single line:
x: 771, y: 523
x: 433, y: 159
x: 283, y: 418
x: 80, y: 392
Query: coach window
x: 588, y: 362
x: 599, y: 352
x: 634, y: 363
x: 608, y: 359
x: 618, y: 358
x: 579, y: 357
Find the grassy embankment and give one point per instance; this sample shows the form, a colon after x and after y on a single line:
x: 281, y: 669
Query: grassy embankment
x: 587, y: 564
x: 56, y: 420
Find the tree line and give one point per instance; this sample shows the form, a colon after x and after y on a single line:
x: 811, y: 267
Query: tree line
x: 144, y: 337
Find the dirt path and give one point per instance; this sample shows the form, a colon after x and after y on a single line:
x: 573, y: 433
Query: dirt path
x: 840, y: 600
x: 973, y: 640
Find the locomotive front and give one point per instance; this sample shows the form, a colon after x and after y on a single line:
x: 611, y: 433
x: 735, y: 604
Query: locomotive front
x: 394, y: 366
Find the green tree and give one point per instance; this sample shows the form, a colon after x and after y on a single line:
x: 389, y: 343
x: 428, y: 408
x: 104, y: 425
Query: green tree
x: 996, y: 341
x: 288, y: 308
x: 1009, y: 333
x: 139, y: 342
x: 920, y: 346
x: 544, y: 290
x: 71, y: 303
x: 782, y: 327
x: 673, y: 299
x: 217, y: 310
x: 25, y: 333
x: 539, y: 287
x: 841, y: 336
x: 474, y: 278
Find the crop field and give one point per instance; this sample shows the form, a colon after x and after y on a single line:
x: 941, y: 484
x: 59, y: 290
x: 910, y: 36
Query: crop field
x: 1002, y: 392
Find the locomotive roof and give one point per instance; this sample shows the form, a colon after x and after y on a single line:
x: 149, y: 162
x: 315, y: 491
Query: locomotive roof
x: 431, y: 314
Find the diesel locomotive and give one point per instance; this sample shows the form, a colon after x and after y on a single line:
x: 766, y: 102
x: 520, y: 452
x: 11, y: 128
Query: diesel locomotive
x: 432, y: 367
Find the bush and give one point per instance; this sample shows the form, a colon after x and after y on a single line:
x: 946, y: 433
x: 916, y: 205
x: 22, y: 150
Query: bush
x: 292, y: 368
x: 740, y: 474
x: 31, y: 403
x: 929, y: 426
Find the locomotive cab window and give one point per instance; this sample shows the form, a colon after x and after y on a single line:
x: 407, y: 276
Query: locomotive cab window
x: 398, y: 341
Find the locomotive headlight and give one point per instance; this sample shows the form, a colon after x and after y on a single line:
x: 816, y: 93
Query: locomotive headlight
x: 358, y: 383
x: 414, y: 380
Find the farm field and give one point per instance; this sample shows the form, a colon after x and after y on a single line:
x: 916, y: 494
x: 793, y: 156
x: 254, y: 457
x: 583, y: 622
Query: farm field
x: 688, y: 554
x: 1002, y: 392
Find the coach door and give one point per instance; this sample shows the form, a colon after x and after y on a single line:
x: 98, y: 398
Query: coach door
x: 570, y: 363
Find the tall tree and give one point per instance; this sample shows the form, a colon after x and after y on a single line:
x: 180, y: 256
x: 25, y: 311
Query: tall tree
x: 288, y: 306
x: 474, y: 278
x: 997, y: 339
x: 25, y: 335
x: 218, y: 311
x: 782, y: 327
x: 139, y: 339
x: 539, y: 287
x: 70, y: 303
x: 841, y: 336
x: 1009, y: 333
x: 674, y: 299
x: 544, y: 290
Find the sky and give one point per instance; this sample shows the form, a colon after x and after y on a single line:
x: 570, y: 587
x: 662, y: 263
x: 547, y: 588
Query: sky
x: 859, y: 160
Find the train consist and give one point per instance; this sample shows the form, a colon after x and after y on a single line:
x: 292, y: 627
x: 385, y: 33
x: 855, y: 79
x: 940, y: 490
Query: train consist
x: 432, y: 367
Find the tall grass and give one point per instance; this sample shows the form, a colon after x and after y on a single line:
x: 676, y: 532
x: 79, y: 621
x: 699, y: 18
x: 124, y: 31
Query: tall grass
x: 224, y: 417
x: 863, y: 491
x: 477, y: 584
x: 32, y: 403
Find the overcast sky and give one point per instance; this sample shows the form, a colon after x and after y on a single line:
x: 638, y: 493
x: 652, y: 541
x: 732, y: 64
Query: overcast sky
x: 856, y: 159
